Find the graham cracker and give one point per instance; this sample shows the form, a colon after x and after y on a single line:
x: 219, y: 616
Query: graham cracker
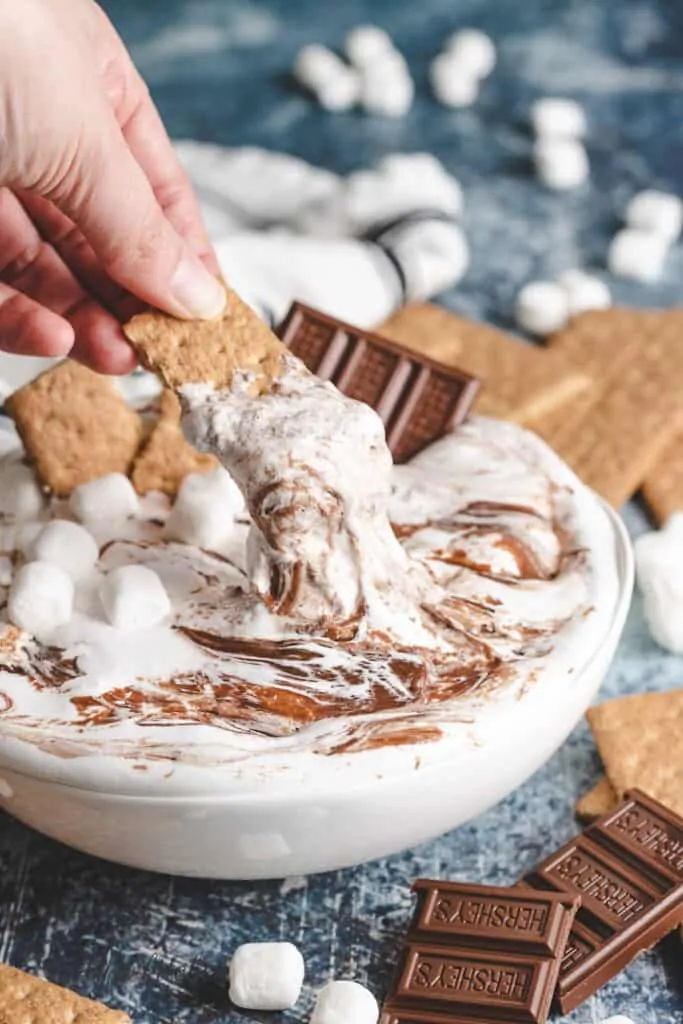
x: 207, y: 351
x: 75, y: 426
x: 639, y: 739
x: 166, y: 458
x: 635, y: 409
x: 522, y: 382
x: 663, y: 485
x: 25, y: 999
x: 599, y: 800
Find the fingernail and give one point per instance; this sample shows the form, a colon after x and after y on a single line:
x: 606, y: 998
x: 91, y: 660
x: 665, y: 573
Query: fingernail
x: 196, y: 290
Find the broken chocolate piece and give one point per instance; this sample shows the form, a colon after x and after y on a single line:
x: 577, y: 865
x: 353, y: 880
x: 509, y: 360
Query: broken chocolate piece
x: 417, y: 399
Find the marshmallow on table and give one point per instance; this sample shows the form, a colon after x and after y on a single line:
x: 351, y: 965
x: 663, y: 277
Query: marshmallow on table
x: 636, y: 254
x: 561, y: 163
x: 345, y: 1002
x: 452, y: 85
x: 367, y: 43
x: 20, y: 493
x: 387, y: 87
x: 266, y: 976
x: 558, y: 118
x: 658, y: 212
x: 108, y: 497
x: 334, y: 83
x: 41, y: 597
x: 205, y: 510
x: 133, y: 597
x: 584, y: 291
x: 659, y: 567
x: 542, y: 308
x: 474, y: 51
x: 67, y: 545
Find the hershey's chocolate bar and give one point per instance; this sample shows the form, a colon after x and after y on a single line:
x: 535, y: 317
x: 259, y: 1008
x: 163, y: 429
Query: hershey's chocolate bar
x: 418, y: 400
x: 627, y: 868
x: 477, y: 954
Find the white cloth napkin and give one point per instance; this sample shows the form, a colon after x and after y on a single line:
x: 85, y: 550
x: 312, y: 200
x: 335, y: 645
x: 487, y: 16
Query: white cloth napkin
x: 355, y: 247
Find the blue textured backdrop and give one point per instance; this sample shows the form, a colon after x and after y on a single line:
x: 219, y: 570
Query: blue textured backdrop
x: 155, y: 946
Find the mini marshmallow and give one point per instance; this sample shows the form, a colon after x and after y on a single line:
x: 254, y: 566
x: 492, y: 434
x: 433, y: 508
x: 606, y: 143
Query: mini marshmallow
x: 205, y: 510
x: 658, y: 212
x: 561, y: 164
x: 584, y: 291
x: 266, y: 976
x: 659, y: 567
x: 367, y: 44
x: 67, y: 545
x: 452, y: 85
x: 542, y: 308
x: 474, y: 51
x: 316, y: 65
x: 20, y: 493
x: 335, y: 85
x: 108, y: 497
x: 340, y: 92
x: 41, y: 598
x: 5, y: 570
x: 636, y: 254
x: 133, y: 597
x: 387, y: 89
x: 343, y: 1002
x: 558, y: 119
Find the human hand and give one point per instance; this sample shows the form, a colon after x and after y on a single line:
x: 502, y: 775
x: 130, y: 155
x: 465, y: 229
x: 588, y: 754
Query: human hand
x: 96, y: 213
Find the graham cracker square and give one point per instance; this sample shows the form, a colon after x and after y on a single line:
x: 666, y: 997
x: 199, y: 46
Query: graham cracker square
x: 639, y: 739
x: 166, y: 457
x: 620, y: 432
x: 599, y: 800
x: 207, y: 351
x: 75, y: 426
x: 25, y: 999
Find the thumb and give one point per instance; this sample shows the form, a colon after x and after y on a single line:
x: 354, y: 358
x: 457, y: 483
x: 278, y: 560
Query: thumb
x: 109, y: 198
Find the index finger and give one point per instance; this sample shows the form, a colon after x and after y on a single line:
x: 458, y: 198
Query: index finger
x: 149, y: 143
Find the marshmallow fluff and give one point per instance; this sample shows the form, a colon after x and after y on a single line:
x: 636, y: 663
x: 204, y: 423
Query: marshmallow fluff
x: 317, y: 484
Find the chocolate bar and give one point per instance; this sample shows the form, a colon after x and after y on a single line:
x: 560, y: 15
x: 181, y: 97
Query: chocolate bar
x: 418, y: 400
x: 477, y: 953
x: 628, y: 870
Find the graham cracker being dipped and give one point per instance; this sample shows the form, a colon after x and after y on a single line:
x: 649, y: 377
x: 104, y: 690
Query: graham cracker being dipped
x: 207, y: 351
x: 166, y: 458
x: 639, y: 740
x: 522, y: 382
x: 622, y: 429
x: 663, y: 485
x: 599, y: 800
x: 75, y: 426
x: 25, y: 999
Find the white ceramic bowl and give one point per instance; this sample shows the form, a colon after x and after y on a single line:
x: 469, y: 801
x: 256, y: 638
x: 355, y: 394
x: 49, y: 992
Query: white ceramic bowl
x: 280, y: 828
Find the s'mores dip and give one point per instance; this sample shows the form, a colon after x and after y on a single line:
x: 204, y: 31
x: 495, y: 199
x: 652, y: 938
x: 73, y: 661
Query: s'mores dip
x: 265, y: 597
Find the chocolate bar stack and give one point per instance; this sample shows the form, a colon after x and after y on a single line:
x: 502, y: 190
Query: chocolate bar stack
x: 482, y: 954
